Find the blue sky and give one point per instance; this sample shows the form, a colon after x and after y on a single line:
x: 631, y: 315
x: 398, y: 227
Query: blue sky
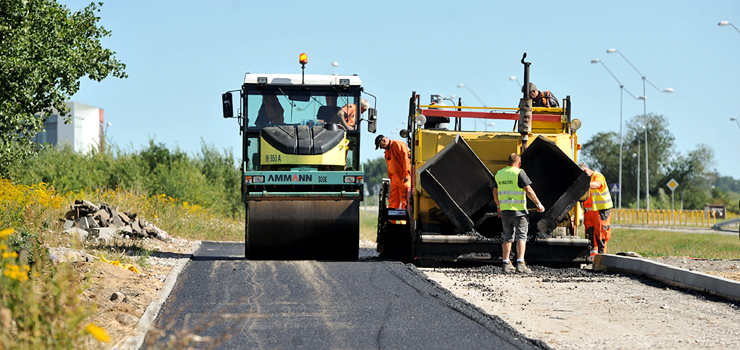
x: 182, y: 55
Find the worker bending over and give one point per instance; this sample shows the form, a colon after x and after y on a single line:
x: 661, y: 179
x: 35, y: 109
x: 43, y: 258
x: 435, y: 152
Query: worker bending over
x: 597, y: 216
x: 511, y: 188
x: 399, y: 170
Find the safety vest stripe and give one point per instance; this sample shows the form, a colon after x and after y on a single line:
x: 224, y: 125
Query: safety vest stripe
x: 515, y: 193
x: 512, y: 202
x: 603, y: 202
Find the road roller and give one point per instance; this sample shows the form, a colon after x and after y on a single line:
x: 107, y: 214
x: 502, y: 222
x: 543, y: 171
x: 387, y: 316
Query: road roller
x: 302, y: 177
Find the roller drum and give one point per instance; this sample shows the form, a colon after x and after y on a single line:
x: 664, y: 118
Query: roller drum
x: 289, y: 229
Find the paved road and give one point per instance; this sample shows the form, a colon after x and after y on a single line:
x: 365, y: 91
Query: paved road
x: 365, y: 304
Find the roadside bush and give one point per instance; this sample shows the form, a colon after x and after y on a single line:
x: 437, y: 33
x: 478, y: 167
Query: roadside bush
x: 209, y: 179
x: 40, y: 307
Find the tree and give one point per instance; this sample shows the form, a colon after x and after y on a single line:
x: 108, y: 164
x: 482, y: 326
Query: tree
x: 602, y: 153
x: 694, y: 171
x: 44, y: 51
x: 695, y: 174
x: 375, y: 170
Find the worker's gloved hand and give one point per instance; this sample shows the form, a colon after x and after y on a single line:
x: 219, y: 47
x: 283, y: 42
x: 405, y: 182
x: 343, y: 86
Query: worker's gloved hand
x: 540, y: 207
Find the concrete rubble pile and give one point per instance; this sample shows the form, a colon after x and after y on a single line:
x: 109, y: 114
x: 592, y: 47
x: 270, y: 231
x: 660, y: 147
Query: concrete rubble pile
x: 105, y: 222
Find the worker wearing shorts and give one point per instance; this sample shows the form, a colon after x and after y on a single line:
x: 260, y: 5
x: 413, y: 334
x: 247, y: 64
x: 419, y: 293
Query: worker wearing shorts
x: 510, y: 191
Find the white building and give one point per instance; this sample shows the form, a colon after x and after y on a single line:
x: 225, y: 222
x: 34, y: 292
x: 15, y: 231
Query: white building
x: 83, y: 134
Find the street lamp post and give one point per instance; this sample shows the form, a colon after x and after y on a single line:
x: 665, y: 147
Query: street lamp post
x: 473, y: 92
x: 638, y: 174
x: 725, y: 23
x: 644, y: 107
x: 621, y: 98
x: 105, y: 134
x: 735, y: 120
x: 513, y: 78
x: 476, y: 96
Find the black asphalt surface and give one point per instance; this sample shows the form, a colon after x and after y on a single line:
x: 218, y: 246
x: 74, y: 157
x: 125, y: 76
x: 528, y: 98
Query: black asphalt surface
x: 364, y: 304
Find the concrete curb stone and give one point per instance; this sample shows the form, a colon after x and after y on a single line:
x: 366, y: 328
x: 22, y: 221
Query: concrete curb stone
x: 674, y: 276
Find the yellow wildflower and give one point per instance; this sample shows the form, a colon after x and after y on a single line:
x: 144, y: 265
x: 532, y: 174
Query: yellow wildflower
x: 131, y: 268
x: 97, y: 332
x: 6, y: 232
x: 14, y: 272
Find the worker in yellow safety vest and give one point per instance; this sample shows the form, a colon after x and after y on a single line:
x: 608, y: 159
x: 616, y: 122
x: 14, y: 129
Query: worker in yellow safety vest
x: 510, y: 190
x: 597, y: 216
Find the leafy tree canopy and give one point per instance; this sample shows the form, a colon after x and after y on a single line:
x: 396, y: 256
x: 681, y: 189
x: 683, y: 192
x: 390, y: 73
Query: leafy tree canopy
x: 693, y: 171
x: 45, y: 49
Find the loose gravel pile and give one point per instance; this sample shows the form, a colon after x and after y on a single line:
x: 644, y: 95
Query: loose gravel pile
x: 580, y: 309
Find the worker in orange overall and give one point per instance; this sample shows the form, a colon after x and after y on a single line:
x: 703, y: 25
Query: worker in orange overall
x: 350, y: 112
x: 399, y: 170
x: 597, y: 216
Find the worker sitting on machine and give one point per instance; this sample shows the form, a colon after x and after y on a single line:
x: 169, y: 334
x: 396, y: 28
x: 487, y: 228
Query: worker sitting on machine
x: 350, y: 112
x: 270, y: 113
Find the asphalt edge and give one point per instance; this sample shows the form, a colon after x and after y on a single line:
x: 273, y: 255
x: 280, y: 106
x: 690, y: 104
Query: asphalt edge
x: 670, y: 275
x: 146, y: 321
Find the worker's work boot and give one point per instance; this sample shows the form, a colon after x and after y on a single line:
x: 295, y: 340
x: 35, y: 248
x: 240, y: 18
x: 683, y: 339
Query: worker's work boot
x: 509, y: 268
x: 522, y: 268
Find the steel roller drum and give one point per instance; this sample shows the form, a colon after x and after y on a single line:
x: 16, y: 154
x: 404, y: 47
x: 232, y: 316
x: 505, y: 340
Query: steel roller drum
x: 303, y: 229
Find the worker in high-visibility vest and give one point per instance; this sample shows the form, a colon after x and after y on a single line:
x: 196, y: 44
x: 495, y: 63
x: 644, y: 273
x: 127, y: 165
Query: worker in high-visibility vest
x: 399, y: 170
x: 597, y: 216
x: 511, y: 188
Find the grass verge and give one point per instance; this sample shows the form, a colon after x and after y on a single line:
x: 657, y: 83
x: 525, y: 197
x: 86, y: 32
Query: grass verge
x: 650, y: 243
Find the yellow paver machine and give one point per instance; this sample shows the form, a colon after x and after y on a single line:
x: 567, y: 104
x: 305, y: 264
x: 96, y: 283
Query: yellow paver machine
x: 451, y: 214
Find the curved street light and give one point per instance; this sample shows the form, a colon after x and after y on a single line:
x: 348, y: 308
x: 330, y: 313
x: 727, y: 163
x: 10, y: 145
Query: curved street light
x: 105, y: 135
x: 473, y: 92
x: 644, y: 106
x: 621, y: 94
x: 513, y: 77
x: 725, y: 23
x: 736, y: 121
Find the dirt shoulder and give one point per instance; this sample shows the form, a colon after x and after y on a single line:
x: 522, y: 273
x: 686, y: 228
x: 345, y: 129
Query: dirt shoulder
x: 582, y: 309
x: 154, y: 259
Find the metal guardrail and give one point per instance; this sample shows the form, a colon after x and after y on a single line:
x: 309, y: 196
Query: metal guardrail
x: 666, y: 217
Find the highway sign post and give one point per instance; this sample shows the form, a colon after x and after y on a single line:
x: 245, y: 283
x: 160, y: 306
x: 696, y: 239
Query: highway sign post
x: 614, y: 188
x: 672, y: 185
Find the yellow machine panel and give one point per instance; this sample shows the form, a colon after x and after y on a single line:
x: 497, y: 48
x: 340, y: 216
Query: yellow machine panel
x: 335, y: 157
x: 493, y: 149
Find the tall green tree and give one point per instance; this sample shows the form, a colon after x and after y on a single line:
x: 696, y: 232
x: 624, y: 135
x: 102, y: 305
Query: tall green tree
x: 693, y: 171
x: 375, y: 170
x: 602, y: 152
x: 45, y: 49
x: 695, y: 175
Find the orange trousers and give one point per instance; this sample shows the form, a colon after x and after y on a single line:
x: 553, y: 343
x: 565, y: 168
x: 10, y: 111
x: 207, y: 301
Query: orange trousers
x: 398, y: 196
x: 598, y: 229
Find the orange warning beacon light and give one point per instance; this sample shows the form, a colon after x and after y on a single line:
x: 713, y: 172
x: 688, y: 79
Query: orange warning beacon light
x: 303, y: 59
